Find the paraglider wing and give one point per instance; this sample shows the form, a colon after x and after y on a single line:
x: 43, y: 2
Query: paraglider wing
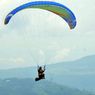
x: 54, y: 7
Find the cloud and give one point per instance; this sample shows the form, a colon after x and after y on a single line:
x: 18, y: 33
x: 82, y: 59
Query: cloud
x: 61, y: 54
x: 18, y: 60
x: 12, y: 62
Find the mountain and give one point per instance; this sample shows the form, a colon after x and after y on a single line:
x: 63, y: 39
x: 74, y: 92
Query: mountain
x: 77, y: 74
x: 30, y: 87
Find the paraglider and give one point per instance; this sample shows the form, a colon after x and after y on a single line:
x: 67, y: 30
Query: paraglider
x: 41, y: 74
x: 53, y: 7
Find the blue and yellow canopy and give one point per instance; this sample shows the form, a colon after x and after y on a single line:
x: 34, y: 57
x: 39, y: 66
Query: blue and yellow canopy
x: 54, y: 7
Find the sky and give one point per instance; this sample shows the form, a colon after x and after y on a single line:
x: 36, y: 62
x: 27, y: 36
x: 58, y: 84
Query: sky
x: 37, y: 37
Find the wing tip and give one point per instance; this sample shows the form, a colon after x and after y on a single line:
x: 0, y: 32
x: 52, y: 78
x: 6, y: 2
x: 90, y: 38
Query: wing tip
x: 5, y: 22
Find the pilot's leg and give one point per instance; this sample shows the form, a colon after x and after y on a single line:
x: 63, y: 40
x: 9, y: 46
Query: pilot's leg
x: 43, y: 76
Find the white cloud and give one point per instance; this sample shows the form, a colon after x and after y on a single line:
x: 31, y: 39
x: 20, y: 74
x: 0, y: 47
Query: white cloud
x: 18, y: 60
x: 41, y: 52
x: 61, y: 54
x: 11, y: 62
x: 41, y: 57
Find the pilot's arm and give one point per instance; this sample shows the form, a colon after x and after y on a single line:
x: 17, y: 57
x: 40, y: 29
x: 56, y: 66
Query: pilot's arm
x: 44, y: 68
